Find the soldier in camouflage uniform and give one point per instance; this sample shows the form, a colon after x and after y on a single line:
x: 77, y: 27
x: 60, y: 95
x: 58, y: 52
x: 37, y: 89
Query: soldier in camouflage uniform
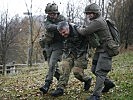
x: 102, y: 61
x: 74, y: 56
x: 53, y: 44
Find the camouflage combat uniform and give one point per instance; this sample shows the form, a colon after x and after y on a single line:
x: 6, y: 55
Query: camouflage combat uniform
x: 74, y: 56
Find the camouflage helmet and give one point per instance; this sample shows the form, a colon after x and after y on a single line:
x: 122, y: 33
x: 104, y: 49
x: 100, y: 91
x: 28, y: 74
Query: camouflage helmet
x: 51, y: 8
x: 93, y: 8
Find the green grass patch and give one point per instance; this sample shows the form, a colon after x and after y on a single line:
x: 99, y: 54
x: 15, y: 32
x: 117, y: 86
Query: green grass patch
x: 25, y: 84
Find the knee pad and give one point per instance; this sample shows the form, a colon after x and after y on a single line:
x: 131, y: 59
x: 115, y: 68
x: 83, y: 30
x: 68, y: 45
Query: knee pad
x: 78, y: 76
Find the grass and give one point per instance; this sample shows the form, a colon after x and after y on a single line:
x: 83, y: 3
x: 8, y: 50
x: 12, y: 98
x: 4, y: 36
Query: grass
x: 25, y: 84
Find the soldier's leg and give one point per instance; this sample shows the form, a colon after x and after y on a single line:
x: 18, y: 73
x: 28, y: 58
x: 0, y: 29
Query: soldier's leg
x: 48, y: 52
x: 57, y: 72
x: 104, y: 65
x: 108, y: 84
x: 67, y: 65
x: 94, y: 62
x: 47, y: 83
x: 78, y: 71
x: 55, y: 57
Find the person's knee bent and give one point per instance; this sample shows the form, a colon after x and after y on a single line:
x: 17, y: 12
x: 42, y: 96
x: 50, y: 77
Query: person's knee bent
x: 78, y: 73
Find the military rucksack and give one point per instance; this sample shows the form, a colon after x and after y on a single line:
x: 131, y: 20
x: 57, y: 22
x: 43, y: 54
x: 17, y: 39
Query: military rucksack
x: 112, y: 46
x: 114, y: 32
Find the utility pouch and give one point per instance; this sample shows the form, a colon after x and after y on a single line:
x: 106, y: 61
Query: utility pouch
x: 48, y: 37
x: 94, y: 40
x: 112, y: 48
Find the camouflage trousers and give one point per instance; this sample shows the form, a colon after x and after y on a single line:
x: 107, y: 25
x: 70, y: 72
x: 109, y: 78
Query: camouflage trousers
x: 78, y: 66
x: 101, y: 65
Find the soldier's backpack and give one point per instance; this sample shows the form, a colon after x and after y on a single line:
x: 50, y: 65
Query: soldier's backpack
x: 112, y: 46
x: 114, y: 32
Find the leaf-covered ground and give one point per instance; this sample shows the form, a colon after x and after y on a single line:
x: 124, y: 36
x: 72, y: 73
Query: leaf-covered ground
x: 25, y: 84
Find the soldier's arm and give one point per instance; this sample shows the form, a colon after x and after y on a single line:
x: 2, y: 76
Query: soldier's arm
x: 93, y: 27
x: 61, y: 18
x: 50, y: 27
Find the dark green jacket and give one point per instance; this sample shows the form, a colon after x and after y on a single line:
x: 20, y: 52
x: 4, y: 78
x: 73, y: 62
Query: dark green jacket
x: 99, y: 27
x: 51, y: 29
x: 75, y: 43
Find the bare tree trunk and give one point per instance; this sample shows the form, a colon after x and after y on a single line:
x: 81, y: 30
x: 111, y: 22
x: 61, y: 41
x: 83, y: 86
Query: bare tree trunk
x: 103, y: 8
x: 4, y: 66
x: 4, y: 69
x: 126, y: 43
x: 4, y: 47
x: 30, y: 48
x: 99, y: 2
x: 4, y: 62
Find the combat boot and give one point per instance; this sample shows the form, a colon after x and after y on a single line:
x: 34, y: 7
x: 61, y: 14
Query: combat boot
x: 58, y: 92
x: 87, y: 84
x: 108, y: 85
x: 57, y: 74
x: 45, y: 87
x: 93, y: 97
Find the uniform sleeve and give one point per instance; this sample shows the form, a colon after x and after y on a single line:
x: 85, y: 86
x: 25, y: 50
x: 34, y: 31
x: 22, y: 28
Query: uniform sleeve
x: 50, y: 27
x: 93, y: 27
x: 62, y: 18
x: 53, y: 26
